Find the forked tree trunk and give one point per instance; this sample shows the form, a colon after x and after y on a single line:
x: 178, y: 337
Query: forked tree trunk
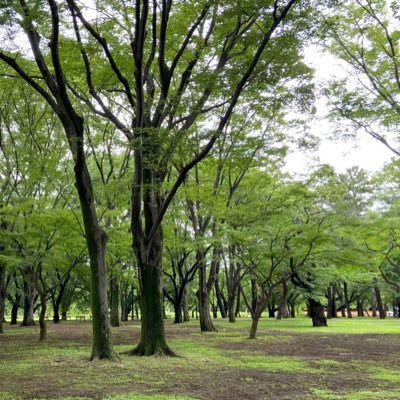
x: 220, y: 300
x: 178, y: 313
x: 254, y: 326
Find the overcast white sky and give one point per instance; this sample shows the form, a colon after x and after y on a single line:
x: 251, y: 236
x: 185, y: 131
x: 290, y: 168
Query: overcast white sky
x: 364, y: 151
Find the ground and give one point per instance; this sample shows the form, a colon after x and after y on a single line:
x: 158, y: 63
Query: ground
x: 351, y: 359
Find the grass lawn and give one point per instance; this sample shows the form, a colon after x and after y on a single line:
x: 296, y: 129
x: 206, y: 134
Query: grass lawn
x: 354, y: 359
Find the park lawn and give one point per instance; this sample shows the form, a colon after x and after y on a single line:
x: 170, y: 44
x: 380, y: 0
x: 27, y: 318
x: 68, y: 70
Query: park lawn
x: 351, y: 359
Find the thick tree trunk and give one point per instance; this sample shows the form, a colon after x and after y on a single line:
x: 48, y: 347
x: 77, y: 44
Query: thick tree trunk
x: 114, y: 294
x: 178, y: 313
x: 56, y: 313
x: 379, y: 304
x: 317, y: 313
x: 346, y: 300
x: 152, y: 337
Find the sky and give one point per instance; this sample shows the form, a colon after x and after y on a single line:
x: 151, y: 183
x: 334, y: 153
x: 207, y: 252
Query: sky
x: 363, y: 151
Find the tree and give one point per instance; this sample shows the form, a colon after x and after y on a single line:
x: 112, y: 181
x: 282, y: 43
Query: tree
x: 365, y: 35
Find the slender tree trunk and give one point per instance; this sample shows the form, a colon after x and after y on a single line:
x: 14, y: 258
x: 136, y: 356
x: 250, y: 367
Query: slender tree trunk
x: 238, y: 297
x: 282, y: 310
x: 114, y: 294
x: 220, y: 300
x: 3, y: 287
x: 56, y: 313
x: 360, y: 308
x: 29, y: 297
x: 332, y: 311
x: 231, y: 307
x: 346, y: 300
x: 186, y: 316
x: 42, y: 317
x: 381, y: 309
x: 14, y: 313
x: 203, y: 293
x: 254, y: 326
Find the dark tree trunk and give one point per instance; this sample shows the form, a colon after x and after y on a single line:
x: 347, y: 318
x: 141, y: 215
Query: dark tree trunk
x: 346, y: 300
x: 231, y: 307
x: 152, y: 335
x: 56, y: 313
x: 14, y: 312
x: 3, y: 288
x: 360, y: 308
x: 114, y: 294
x: 332, y: 309
x: 238, y: 297
x: 379, y: 304
x: 317, y: 313
x: 220, y: 299
x: 63, y: 315
x: 186, y: 317
x: 271, y: 310
x: 178, y: 313
x: 42, y: 318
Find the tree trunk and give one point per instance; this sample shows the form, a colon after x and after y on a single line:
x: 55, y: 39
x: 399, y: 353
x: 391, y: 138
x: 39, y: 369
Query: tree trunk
x: 206, y: 324
x: 2, y: 295
x: 332, y: 310
x: 56, y: 313
x: 379, y: 304
x: 282, y: 310
x: 186, y: 316
x: 346, y: 300
x: 152, y: 335
x: 238, y: 297
x: 231, y: 307
x: 220, y: 300
x: 254, y: 325
x: 317, y: 313
x: 29, y: 297
x: 42, y: 317
x: 14, y: 313
x: 178, y: 313
x: 360, y: 308
x: 114, y: 294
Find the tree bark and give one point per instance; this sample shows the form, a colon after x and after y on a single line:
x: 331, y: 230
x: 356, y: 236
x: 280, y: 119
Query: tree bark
x: 231, y: 307
x: 238, y: 297
x: 360, y: 308
x: 346, y: 300
x: 332, y: 309
x: 114, y: 294
x: 29, y: 297
x: 254, y: 326
x: 379, y: 304
x: 186, y: 316
x: 317, y: 313
x: 220, y: 300
x: 282, y: 310
x: 42, y: 317
x: 3, y: 288
x: 14, y: 312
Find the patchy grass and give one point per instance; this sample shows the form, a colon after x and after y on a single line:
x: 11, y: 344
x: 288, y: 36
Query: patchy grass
x: 351, y: 359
